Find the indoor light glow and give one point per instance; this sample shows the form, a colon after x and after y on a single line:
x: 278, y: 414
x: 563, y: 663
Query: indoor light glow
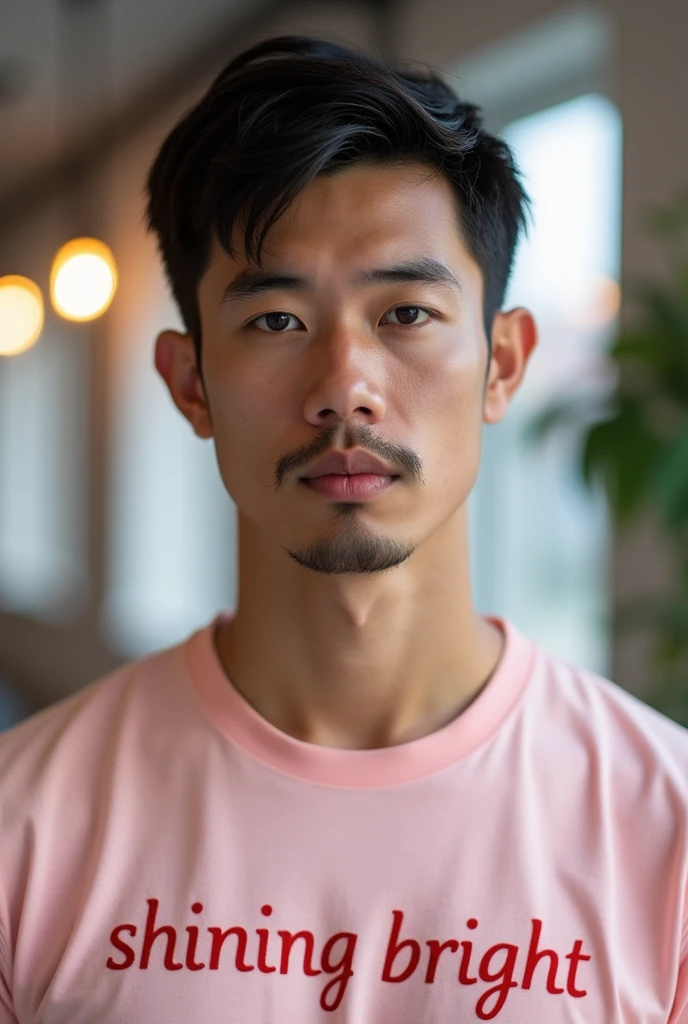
x: 83, y: 279
x: 598, y: 304
x: 21, y: 314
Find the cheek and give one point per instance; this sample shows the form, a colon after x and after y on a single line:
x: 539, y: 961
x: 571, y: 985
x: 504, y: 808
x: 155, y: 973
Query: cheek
x: 233, y: 430
x: 453, y: 426
x: 245, y: 430
x: 449, y: 389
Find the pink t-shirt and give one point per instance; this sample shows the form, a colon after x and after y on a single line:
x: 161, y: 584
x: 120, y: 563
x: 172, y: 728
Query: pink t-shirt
x: 167, y: 856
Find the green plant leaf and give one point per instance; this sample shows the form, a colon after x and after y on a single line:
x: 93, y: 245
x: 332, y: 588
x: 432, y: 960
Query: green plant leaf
x: 643, y: 346
x: 668, y: 694
x: 681, y: 279
x: 622, y: 452
x: 668, y: 220
x: 668, y: 481
x: 667, y: 324
x: 638, y: 449
x: 670, y: 649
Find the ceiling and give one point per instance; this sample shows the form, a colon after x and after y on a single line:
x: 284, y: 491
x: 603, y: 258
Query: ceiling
x: 67, y: 64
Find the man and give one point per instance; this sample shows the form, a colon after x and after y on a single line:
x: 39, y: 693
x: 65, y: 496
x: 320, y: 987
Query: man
x: 353, y: 798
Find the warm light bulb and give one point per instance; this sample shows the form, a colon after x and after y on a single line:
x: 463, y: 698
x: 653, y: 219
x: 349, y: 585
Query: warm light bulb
x: 21, y: 314
x: 83, y: 279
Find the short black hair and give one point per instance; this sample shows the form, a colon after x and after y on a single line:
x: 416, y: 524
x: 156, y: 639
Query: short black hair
x: 293, y: 107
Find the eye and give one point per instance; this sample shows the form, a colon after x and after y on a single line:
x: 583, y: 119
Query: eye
x: 413, y: 312
x: 276, y: 320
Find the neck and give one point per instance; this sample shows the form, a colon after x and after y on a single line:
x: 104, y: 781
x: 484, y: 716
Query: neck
x: 359, y: 663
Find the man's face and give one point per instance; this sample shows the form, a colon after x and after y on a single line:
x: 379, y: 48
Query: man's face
x: 292, y: 372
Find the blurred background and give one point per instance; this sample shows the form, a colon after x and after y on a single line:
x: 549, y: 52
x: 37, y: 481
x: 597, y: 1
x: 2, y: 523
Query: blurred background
x: 116, y: 535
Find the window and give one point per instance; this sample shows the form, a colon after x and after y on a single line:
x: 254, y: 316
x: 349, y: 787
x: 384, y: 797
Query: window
x: 540, y: 540
x: 43, y: 470
x: 171, y: 562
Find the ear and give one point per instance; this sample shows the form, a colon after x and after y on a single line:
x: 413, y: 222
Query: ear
x: 175, y: 361
x: 514, y: 337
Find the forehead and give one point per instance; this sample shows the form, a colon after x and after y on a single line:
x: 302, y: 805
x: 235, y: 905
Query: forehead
x: 366, y: 198
x: 361, y: 215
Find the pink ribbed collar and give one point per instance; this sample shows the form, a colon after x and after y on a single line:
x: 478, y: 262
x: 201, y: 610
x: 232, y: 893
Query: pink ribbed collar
x: 359, y: 769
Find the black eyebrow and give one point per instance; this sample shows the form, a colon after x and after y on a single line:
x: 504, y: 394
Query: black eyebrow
x: 423, y: 270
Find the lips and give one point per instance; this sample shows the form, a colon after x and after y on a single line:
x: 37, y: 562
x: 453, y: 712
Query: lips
x: 348, y: 464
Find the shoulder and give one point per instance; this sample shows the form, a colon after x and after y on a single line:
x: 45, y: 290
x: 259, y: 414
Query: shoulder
x: 633, y: 743
x: 67, y: 741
